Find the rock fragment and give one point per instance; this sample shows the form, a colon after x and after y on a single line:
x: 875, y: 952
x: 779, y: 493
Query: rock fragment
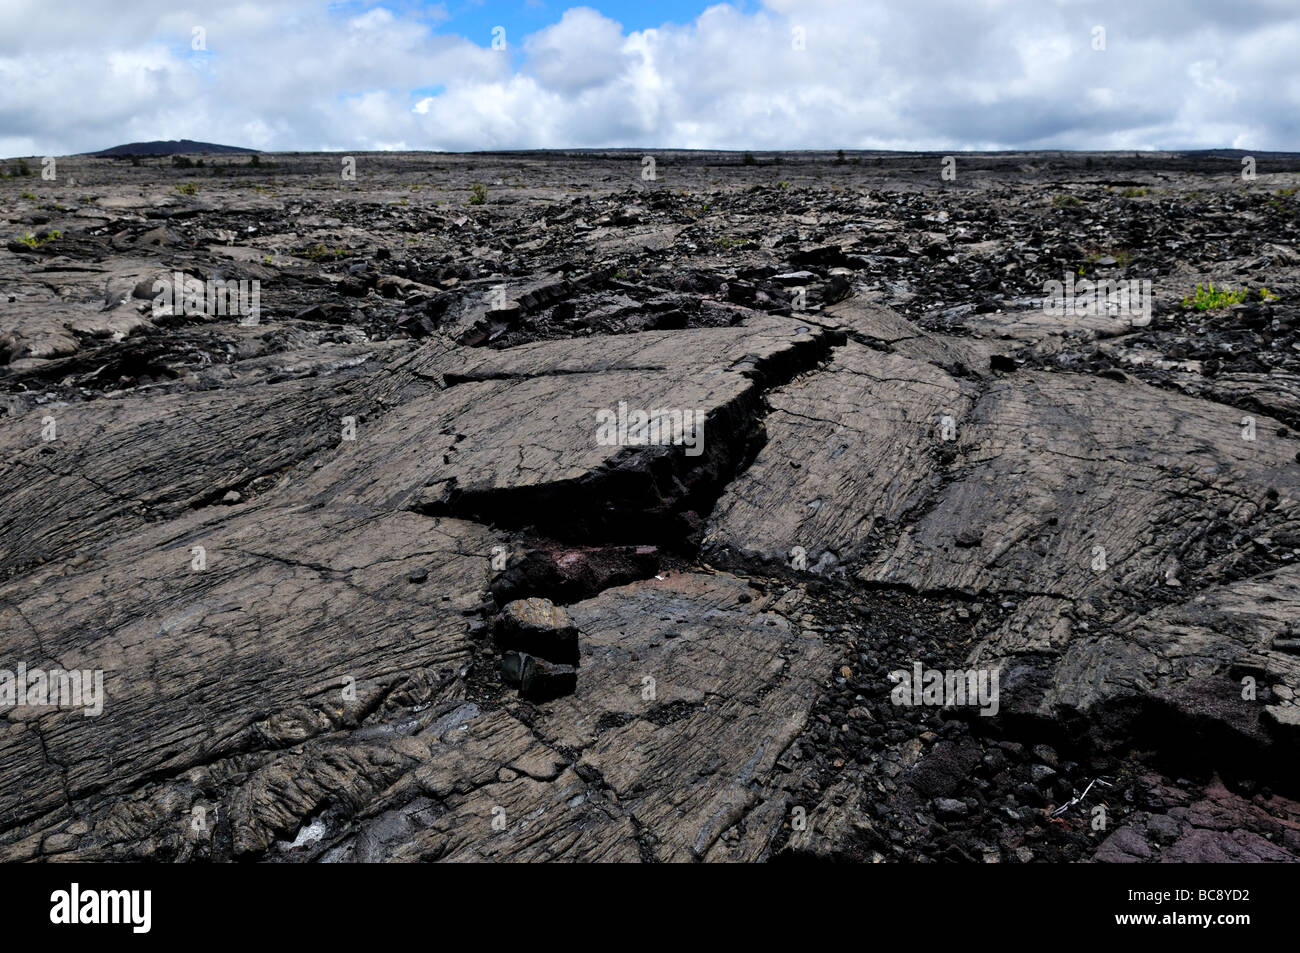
x: 539, y: 628
x: 540, y: 680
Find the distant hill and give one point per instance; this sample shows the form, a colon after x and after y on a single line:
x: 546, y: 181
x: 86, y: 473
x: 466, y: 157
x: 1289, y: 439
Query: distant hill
x: 168, y: 148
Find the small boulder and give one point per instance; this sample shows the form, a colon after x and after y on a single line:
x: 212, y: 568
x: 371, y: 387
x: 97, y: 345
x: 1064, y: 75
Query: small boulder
x: 537, y: 627
x: 950, y: 808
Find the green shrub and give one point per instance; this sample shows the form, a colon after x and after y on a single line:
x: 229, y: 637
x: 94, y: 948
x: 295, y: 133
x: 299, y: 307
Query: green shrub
x: 1208, y: 298
x: 31, y: 241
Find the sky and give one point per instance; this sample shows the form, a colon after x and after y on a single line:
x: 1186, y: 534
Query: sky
x: 461, y: 75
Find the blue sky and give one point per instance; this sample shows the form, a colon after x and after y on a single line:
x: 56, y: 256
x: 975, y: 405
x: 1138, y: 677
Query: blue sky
x: 476, y: 20
x: 79, y: 75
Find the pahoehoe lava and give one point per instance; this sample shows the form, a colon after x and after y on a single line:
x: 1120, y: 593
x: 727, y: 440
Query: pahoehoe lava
x: 288, y: 540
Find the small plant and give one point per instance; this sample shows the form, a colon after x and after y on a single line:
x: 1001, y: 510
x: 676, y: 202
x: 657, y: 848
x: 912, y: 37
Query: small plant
x: 1209, y: 298
x: 748, y: 159
x: 1065, y: 201
x: 1285, y: 192
x: 478, y: 194
x: 839, y: 157
x: 182, y: 162
x: 188, y: 188
x: 23, y: 168
x: 320, y: 252
x: 31, y: 241
x: 1134, y: 192
x: 255, y: 160
x: 32, y: 196
x: 783, y: 184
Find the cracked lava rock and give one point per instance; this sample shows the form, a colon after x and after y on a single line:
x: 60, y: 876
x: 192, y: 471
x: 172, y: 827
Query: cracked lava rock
x: 887, y: 558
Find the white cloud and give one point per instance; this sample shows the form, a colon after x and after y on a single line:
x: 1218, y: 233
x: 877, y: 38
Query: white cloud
x: 951, y: 74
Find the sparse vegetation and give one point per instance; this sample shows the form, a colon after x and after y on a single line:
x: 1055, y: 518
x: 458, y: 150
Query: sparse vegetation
x: 748, y: 159
x: 478, y: 194
x: 1134, y: 192
x: 1062, y: 200
x: 31, y: 241
x: 321, y: 252
x: 188, y: 188
x: 1209, y: 298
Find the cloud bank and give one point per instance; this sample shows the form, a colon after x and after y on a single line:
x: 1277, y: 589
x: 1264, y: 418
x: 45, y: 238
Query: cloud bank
x: 78, y: 75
